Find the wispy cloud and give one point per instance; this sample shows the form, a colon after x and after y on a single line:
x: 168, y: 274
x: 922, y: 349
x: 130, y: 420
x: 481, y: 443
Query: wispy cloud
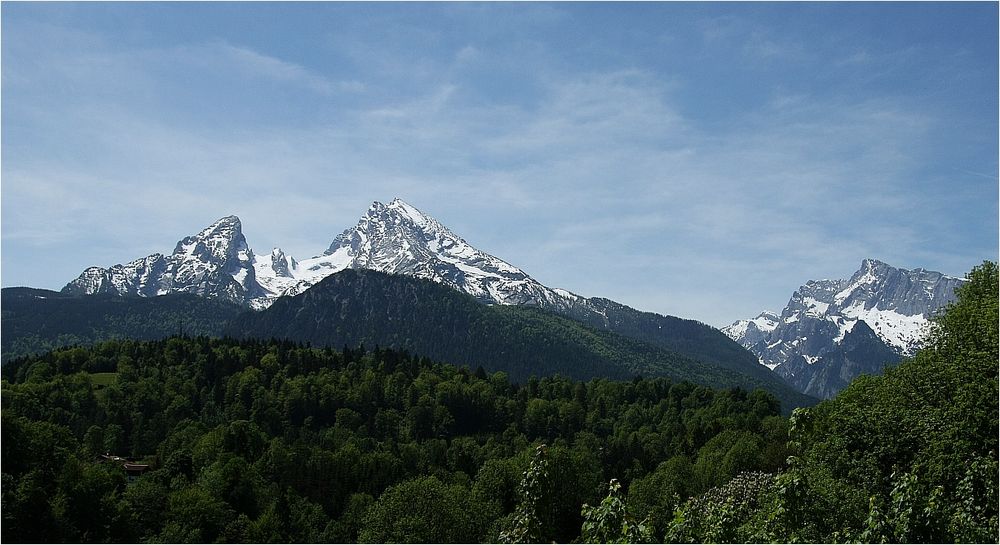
x: 760, y: 46
x: 277, y: 69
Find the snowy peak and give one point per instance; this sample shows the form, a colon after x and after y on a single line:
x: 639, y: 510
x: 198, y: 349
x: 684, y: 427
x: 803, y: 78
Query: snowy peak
x: 397, y: 220
x: 398, y: 238
x: 216, y: 262
x: 751, y: 332
x: 908, y: 292
x: 895, y: 304
x: 412, y: 215
x: 219, y: 247
x: 217, y: 238
x: 394, y: 238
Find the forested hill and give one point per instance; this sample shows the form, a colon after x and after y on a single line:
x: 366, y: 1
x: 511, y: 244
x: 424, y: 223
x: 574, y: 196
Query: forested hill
x: 269, y: 442
x: 37, y: 320
x: 355, y: 307
x: 688, y: 337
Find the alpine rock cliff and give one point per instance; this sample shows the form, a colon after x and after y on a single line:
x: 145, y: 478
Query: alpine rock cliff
x: 214, y: 263
x: 831, y: 331
x: 399, y: 239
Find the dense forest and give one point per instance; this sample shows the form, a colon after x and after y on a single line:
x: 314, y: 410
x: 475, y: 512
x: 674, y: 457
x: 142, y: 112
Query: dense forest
x: 256, y: 432
x: 273, y: 441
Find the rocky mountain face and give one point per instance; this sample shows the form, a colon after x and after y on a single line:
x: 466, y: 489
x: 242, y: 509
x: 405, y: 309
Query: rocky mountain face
x: 214, y: 263
x: 394, y: 238
x: 834, y: 330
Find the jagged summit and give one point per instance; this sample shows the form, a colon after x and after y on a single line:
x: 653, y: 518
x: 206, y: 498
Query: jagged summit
x: 280, y: 264
x: 400, y: 239
x: 216, y: 262
x: 232, y: 220
x: 818, y: 326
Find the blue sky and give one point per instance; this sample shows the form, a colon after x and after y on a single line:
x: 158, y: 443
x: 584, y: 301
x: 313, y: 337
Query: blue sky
x: 701, y: 160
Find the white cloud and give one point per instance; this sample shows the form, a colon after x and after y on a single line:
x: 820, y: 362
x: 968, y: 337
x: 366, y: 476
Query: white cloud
x: 467, y: 54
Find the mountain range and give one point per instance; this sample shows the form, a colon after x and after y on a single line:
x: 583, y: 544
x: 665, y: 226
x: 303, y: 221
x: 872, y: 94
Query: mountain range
x: 393, y: 238
x: 831, y: 331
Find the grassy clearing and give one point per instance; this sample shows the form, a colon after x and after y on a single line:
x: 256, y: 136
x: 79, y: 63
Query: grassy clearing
x: 101, y: 380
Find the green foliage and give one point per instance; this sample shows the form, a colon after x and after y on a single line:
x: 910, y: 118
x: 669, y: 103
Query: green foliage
x: 194, y: 515
x: 610, y: 521
x: 420, y: 510
x: 526, y: 524
x: 655, y: 496
x: 967, y: 328
x: 725, y: 514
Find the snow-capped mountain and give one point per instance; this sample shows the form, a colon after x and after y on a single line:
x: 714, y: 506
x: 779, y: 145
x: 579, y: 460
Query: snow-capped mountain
x: 818, y: 327
x: 395, y: 238
x: 215, y: 263
x: 399, y: 239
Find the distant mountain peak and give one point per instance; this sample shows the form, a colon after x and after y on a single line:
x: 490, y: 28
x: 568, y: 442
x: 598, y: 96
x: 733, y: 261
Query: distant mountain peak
x: 228, y: 227
x: 408, y: 210
x: 280, y: 264
x: 231, y: 220
x: 821, y: 318
x: 871, y: 263
x: 396, y: 238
